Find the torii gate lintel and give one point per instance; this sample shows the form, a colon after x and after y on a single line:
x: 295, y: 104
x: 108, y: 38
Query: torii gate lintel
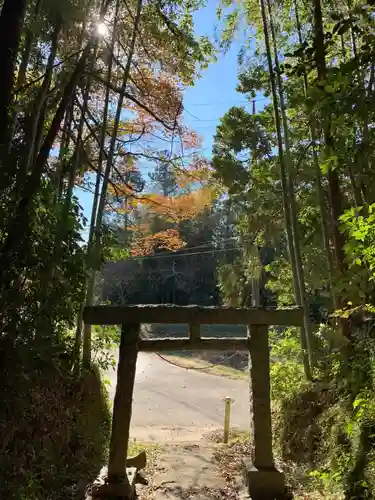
x: 264, y: 481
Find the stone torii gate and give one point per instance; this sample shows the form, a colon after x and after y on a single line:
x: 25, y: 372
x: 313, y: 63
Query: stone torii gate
x: 264, y: 481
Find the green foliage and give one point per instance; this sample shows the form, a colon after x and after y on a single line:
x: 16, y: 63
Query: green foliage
x: 359, y: 224
x: 287, y: 376
x: 104, y: 342
x: 234, y: 284
x: 281, y: 281
x: 325, y: 430
x: 240, y: 139
x: 326, y: 83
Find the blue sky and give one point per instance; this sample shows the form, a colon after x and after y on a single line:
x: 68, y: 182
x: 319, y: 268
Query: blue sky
x: 215, y: 92
x: 211, y: 96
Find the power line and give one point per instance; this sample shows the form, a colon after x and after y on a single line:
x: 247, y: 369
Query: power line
x: 172, y: 254
x: 199, y: 127
x: 207, y: 245
x: 197, y: 118
x: 248, y: 101
x: 216, y: 119
x: 195, y: 247
x: 186, y: 254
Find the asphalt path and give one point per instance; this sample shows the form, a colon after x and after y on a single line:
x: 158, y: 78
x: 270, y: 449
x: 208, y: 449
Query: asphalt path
x: 173, y: 403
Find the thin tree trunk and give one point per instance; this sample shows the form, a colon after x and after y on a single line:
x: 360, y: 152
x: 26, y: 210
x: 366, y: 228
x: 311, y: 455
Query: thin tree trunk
x: 11, y: 22
x: 284, y: 183
x: 319, y: 187
x: 292, y: 201
x: 78, y: 333
x: 65, y: 135
x: 37, y: 115
x: 20, y: 223
x: 61, y: 227
x: 87, y: 284
x: 102, y: 200
x: 334, y: 189
x: 357, y: 193
x: 64, y: 145
x: 21, y: 78
x: 366, y: 132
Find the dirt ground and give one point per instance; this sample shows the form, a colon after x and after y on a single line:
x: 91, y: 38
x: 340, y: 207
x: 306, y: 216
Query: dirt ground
x: 188, y: 471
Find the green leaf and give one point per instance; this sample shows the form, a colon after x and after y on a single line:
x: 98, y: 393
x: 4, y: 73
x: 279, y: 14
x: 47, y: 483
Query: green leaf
x: 335, y: 16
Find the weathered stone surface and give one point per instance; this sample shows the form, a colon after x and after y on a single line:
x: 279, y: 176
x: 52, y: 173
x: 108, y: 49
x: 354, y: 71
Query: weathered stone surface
x: 139, y: 461
x: 170, y: 313
x: 122, y: 406
x: 264, y: 484
x: 260, y: 398
x: 114, y: 491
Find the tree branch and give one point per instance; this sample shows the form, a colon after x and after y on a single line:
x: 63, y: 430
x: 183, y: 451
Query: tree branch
x: 118, y: 90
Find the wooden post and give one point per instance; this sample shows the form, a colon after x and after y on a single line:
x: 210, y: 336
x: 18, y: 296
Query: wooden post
x: 264, y: 481
x: 228, y: 402
x: 123, y: 404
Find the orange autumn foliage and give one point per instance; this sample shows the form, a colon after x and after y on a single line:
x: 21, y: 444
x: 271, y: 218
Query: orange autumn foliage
x: 189, y: 138
x: 180, y: 207
x: 199, y: 171
x: 162, y: 94
x: 163, y: 240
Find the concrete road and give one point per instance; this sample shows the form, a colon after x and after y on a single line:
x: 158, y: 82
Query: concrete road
x: 172, y: 403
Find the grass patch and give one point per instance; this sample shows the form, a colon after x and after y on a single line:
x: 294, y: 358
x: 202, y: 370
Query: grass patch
x: 205, y: 367
x: 151, y: 449
x: 235, y: 435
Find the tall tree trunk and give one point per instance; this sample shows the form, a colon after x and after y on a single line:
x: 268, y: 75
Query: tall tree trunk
x: 27, y: 46
x: 21, y: 77
x: 366, y: 133
x: 37, y: 115
x: 11, y: 22
x: 58, y: 176
x: 102, y: 147
x: 318, y: 174
x: 284, y: 183
x: 19, y: 225
x: 359, y: 159
x: 61, y: 232
x: 291, y: 196
x: 78, y: 333
x: 334, y: 189
x: 65, y: 139
x: 103, y: 195
x: 357, y: 193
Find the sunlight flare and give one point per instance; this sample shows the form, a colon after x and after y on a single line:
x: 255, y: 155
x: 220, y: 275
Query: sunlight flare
x: 101, y: 29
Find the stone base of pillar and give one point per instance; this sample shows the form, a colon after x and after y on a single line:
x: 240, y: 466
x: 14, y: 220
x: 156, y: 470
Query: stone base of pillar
x: 264, y: 484
x: 118, y: 490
